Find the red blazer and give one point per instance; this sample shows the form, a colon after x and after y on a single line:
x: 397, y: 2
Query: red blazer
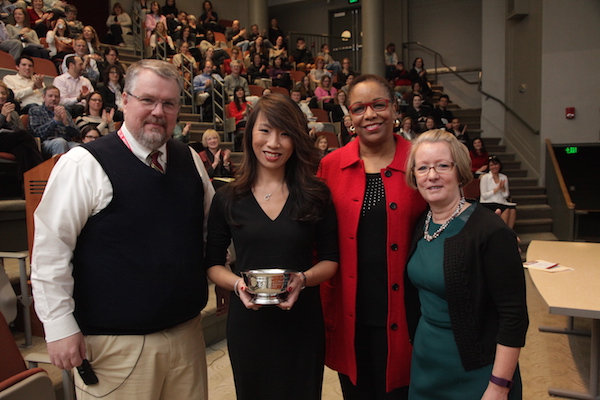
x: 344, y: 173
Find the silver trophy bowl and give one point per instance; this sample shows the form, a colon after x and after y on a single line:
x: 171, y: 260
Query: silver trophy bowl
x: 267, y: 284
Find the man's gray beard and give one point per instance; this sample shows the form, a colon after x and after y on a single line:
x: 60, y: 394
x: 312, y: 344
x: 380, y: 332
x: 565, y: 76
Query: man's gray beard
x: 152, y: 139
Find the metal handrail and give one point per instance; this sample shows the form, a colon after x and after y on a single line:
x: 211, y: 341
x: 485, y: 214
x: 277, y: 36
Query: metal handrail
x: 138, y: 35
x: 478, y: 83
x: 189, y: 92
x: 339, y: 47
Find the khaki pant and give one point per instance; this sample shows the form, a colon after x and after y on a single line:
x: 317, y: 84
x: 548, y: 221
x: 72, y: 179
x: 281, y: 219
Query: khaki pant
x: 170, y: 364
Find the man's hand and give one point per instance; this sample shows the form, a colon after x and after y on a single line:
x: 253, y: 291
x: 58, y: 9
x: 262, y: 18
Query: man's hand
x: 38, y: 81
x: 67, y: 353
x: 59, y: 113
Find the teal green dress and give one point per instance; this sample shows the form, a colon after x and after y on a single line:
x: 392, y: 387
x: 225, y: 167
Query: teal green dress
x: 436, y: 370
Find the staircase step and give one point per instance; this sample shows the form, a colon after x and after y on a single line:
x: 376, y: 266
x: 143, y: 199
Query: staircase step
x: 465, y: 113
x: 496, y: 149
x: 533, y: 225
x: 514, y: 173
x: 526, y: 199
x: 524, y: 190
x: 522, y: 181
x: 533, y: 211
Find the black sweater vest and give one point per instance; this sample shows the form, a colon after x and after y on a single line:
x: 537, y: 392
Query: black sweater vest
x: 138, y: 264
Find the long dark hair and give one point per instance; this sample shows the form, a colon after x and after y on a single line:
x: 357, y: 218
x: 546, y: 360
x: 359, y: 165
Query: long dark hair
x: 236, y: 100
x: 308, y: 194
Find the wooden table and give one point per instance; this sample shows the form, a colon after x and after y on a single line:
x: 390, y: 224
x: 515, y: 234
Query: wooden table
x: 572, y: 293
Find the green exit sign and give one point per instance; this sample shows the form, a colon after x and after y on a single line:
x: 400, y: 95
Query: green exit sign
x: 352, y: 1
x: 571, y: 150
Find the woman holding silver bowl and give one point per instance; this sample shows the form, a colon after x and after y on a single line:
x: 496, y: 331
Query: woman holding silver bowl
x: 467, y: 268
x: 277, y: 212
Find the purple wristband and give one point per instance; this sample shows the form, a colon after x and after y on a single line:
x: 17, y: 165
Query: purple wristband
x: 501, y: 382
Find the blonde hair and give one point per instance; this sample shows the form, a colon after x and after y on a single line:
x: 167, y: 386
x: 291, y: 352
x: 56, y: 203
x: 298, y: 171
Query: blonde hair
x: 459, y: 152
x: 209, y: 133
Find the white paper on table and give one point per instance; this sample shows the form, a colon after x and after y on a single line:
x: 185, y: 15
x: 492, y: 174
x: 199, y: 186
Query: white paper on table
x: 546, y: 266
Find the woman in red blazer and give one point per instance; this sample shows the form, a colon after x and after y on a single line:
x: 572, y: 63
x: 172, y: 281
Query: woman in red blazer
x: 366, y: 316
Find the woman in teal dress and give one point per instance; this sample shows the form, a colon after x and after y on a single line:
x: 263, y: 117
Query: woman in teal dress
x: 467, y: 269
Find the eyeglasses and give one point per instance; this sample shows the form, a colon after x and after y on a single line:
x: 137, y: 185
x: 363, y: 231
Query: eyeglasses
x: 377, y: 106
x: 440, y: 168
x: 92, y: 137
x: 95, y: 99
x: 149, y: 103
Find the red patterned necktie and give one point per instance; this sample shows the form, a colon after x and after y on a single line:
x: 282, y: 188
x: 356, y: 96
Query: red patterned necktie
x: 155, y: 164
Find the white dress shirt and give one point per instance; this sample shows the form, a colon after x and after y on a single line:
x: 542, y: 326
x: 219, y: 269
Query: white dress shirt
x: 77, y: 189
x: 23, y: 89
x: 70, y: 88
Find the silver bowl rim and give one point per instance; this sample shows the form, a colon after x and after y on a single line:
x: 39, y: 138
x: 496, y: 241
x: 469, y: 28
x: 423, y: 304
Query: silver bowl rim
x: 268, y: 271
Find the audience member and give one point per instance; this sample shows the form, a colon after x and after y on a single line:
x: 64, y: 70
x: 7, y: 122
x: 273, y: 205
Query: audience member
x: 349, y: 80
x: 111, y: 58
x: 59, y: 40
x: 406, y: 129
x: 153, y: 18
x: 95, y: 114
x: 237, y: 35
x: 460, y: 131
x: 330, y: 64
x: 302, y: 56
x: 235, y: 79
x: 318, y: 72
x: 203, y: 83
x: 257, y: 72
x: 274, y: 31
x: 209, y: 18
x: 92, y: 41
x: 493, y: 189
x: 340, y: 109
x: 11, y: 46
x: 175, y: 25
x: 161, y: 43
x: 182, y: 133
x: 418, y: 73
x: 156, y: 301
x: 39, y: 19
x: 325, y: 92
x: 443, y: 116
x: 235, y: 55
x: 258, y: 47
x: 216, y: 159
x: 479, y: 157
x: 197, y: 30
x: 27, y: 36
x: 311, y: 120
x: 347, y: 131
x: 53, y: 124
x: 308, y: 94
x: 26, y: 86
x: 239, y: 108
x: 279, y: 49
x: 169, y: 10
x: 89, y: 133
x: 401, y: 79
x: 343, y: 74
x: 391, y: 60
x: 185, y: 36
x: 89, y: 67
x: 186, y: 64
x: 119, y: 24
x: 73, y: 86
x: 111, y: 90
x: 279, y: 76
x: 75, y: 26
x: 14, y: 138
x: 419, y: 113
x: 322, y: 146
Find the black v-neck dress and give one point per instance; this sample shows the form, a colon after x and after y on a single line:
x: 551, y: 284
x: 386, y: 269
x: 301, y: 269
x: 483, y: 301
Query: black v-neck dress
x: 275, y: 354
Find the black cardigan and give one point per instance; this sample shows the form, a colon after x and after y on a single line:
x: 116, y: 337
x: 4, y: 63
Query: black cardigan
x: 485, y: 287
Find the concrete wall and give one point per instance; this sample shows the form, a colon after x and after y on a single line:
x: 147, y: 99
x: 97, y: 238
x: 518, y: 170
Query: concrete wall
x: 570, y: 71
x: 523, y: 70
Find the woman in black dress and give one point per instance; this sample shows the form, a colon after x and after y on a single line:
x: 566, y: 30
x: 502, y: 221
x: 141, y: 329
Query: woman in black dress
x: 277, y: 212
